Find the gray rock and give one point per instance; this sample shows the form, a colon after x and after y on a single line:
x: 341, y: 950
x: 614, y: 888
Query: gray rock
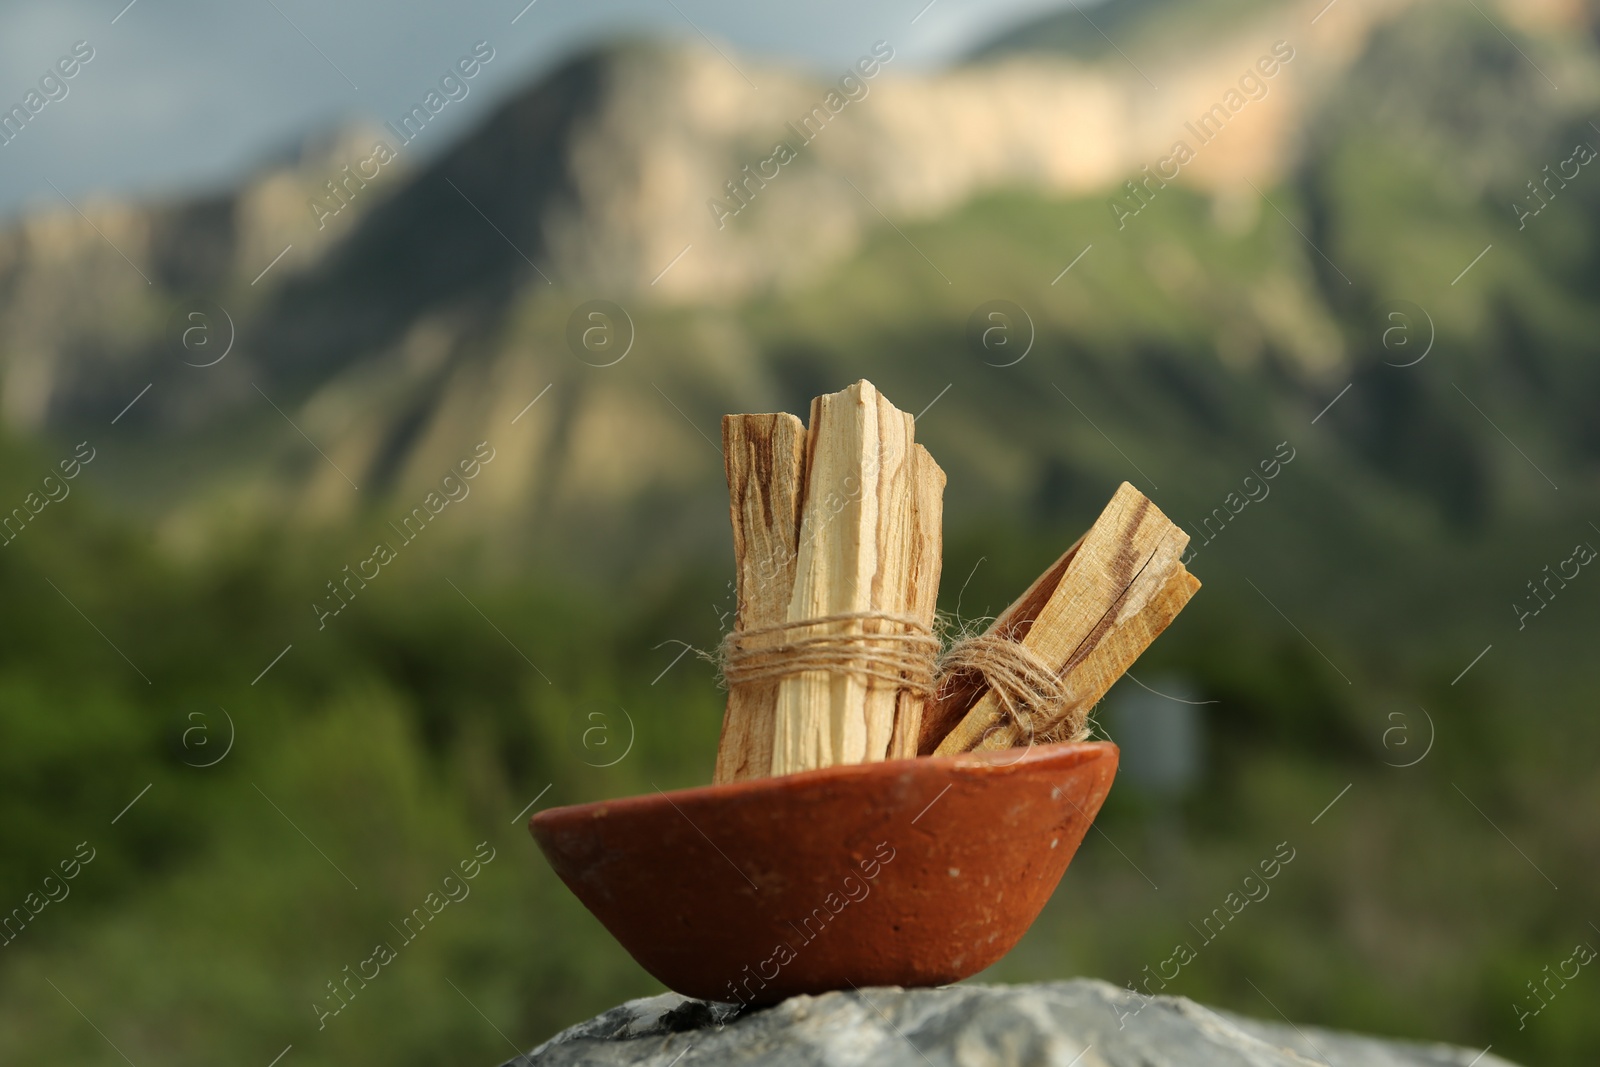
x: 1081, y: 1023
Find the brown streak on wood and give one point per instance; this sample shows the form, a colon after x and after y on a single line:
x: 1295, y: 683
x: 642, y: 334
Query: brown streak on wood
x: 764, y: 459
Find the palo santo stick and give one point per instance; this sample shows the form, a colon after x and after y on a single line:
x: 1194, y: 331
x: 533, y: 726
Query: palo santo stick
x: 1127, y: 556
x: 1140, y: 619
x: 896, y: 535
x: 854, y: 556
x: 956, y: 697
x: 927, y: 559
x: 765, y: 460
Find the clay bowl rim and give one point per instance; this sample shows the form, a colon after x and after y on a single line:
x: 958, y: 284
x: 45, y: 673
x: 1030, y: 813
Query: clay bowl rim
x: 992, y: 761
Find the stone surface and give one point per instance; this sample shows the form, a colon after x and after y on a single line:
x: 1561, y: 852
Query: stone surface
x: 1081, y: 1023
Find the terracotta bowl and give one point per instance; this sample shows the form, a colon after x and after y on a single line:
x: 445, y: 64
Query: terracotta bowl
x: 910, y: 872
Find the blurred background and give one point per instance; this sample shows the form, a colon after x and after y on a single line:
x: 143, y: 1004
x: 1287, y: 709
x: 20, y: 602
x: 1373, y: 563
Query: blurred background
x: 269, y: 273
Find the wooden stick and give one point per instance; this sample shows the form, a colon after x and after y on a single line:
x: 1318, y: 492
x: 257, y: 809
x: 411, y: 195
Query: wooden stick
x: 1115, y: 572
x: 927, y: 560
x: 854, y: 556
x: 957, y: 696
x: 1148, y: 610
x: 765, y: 460
x: 894, y: 532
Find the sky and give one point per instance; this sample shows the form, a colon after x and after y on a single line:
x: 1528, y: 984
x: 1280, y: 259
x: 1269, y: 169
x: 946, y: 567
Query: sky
x: 184, y: 96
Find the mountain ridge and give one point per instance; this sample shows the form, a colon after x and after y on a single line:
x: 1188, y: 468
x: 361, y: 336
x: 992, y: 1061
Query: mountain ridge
x: 431, y: 313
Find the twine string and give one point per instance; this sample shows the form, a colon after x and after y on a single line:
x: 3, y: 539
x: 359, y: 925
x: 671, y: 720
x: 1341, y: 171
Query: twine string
x: 907, y: 653
x: 1031, y: 693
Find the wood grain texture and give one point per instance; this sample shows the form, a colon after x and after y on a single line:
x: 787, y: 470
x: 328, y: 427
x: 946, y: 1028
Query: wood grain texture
x: 927, y: 561
x: 764, y: 456
x: 1115, y: 574
x: 854, y: 556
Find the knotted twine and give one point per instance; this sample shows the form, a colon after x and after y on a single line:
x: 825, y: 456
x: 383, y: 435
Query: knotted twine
x: 1030, y: 691
x: 907, y: 653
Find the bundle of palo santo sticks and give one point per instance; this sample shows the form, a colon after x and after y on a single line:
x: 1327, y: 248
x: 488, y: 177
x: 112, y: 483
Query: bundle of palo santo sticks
x: 836, y: 656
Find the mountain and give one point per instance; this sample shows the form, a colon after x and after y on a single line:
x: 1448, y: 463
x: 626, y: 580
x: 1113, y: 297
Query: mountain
x: 377, y: 329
